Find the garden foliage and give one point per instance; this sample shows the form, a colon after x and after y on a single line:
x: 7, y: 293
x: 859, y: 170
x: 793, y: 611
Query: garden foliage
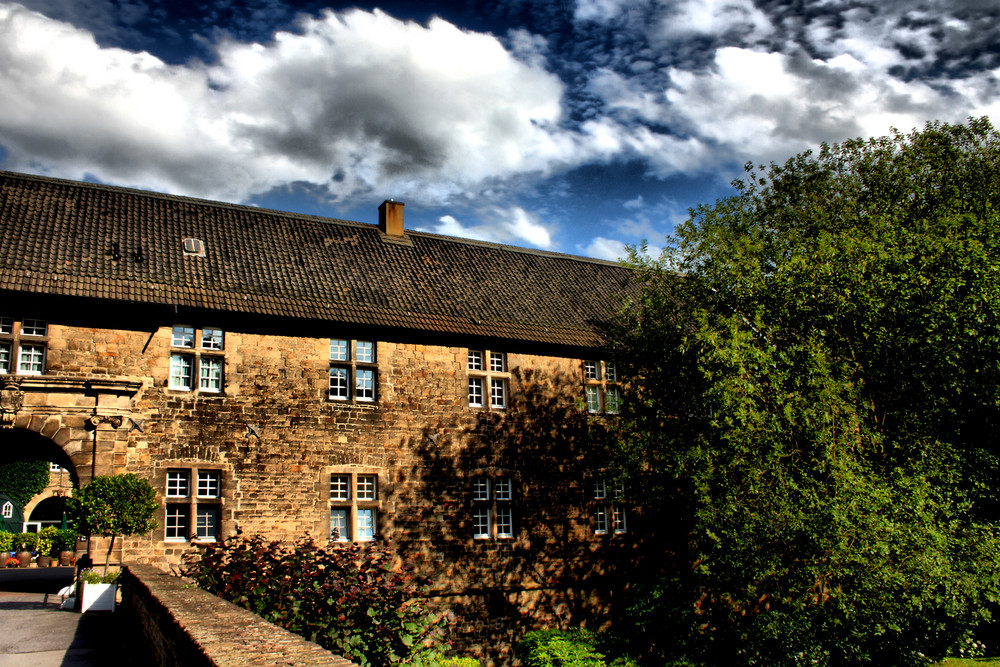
x: 352, y: 599
x: 815, y: 408
x: 113, y: 505
x: 21, y: 480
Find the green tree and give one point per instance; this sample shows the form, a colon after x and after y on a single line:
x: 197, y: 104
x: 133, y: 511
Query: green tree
x: 21, y: 480
x: 113, y: 505
x: 815, y: 406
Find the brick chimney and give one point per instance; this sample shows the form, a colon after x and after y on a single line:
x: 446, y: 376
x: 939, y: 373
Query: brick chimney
x: 390, y: 218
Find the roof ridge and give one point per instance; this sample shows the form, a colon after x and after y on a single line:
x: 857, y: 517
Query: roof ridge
x: 133, y: 191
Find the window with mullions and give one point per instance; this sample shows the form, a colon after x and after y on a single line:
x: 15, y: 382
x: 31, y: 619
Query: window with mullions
x: 193, y: 493
x: 190, y: 368
x: 354, y: 505
x: 608, y: 512
x: 360, y: 365
x: 23, y: 345
x: 492, y: 508
x: 601, y: 391
x: 488, y: 373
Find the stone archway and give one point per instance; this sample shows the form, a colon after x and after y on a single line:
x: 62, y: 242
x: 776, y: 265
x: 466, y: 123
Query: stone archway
x: 66, y: 448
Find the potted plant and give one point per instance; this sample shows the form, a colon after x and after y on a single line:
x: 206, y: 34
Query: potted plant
x: 98, y: 591
x: 25, y: 543
x: 114, y: 505
x: 43, y: 545
x: 6, y: 544
x: 64, y: 545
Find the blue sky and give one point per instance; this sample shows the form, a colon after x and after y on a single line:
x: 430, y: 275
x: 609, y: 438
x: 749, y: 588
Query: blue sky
x: 574, y: 126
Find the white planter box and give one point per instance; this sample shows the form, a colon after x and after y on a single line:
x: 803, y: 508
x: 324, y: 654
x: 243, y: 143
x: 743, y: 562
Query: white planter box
x: 98, y: 597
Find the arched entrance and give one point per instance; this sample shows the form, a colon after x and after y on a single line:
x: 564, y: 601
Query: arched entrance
x: 47, y: 506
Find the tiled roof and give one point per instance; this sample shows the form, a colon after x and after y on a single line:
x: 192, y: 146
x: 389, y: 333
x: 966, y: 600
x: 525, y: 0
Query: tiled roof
x: 59, y: 237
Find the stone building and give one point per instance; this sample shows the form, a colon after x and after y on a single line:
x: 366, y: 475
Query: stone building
x: 290, y: 375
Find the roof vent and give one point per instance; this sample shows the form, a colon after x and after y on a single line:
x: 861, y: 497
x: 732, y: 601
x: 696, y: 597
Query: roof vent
x: 195, y: 247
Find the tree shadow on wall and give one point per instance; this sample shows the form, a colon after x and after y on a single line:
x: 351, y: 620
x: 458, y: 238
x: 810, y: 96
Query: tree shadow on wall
x: 556, y: 571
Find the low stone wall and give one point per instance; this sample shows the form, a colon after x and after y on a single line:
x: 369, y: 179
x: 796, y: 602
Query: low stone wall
x: 185, y: 625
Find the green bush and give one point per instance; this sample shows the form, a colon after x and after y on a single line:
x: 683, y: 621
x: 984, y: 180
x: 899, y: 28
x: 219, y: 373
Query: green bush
x: 6, y: 542
x: 559, y: 648
x: 25, y: 542
x: 64, y: 539
x: 44, y: 540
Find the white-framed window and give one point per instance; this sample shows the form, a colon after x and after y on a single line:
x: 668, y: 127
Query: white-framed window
x: 612, y: 400
x: 361, y: 368
x: 175, y: 527
x: 23, y: 345
x: 481, y: 529
x: 364, y: 384
x: 498, y: 362
x: 618, y: 519
x: 194, y: 498
x: 365, y: 352
x: 210, y: 374
x: 339, y: 383
x: 488, y: 372
x: 8, y: 510
x: 340, y: 488
x: 367, y: 487
x: 481, y: 488
x: 354, y: 506
x: 601, y: 520
x: 476, y: 392
x: 190, y: 367
x: 608, y: 515
x: 340, y: 524
x: 181, y: 372
x: 366, y: 524
x: 212, y: 339
x: 492, y: 507
x: 207, y: 523
x: 339, y: 349
x: 178, y: 483
x: 209, y: 483
x: 32, y: 327
x: 601, y: 391
x: 31, y: 359
x: 182, y: 337
x: 498, y: 393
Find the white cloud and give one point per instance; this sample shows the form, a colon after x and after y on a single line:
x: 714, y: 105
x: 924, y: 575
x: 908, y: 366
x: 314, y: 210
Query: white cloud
x: 603, y: 248
x: 503, y: 225
x: 598, y: 10
x: 352, y: 101
x: 714, y: 17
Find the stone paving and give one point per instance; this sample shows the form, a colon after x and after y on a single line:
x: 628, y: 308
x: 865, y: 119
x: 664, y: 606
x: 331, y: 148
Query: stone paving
x: 34, y: 632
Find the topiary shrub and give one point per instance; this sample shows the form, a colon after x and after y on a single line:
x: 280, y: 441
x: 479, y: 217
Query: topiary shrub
x: 114, y: 505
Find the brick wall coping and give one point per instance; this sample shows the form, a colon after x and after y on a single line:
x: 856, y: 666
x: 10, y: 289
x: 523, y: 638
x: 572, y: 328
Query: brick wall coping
x: 185, y: 625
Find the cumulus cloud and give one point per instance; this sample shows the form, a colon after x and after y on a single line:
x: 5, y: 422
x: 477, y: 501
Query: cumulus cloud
x: 512, y: 225
x: 350, y: 101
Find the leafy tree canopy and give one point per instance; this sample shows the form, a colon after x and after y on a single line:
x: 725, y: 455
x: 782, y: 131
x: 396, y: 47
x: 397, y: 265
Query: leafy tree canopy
x: 816, y: 405
x: 22, y: 480
x: 112, y: 506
